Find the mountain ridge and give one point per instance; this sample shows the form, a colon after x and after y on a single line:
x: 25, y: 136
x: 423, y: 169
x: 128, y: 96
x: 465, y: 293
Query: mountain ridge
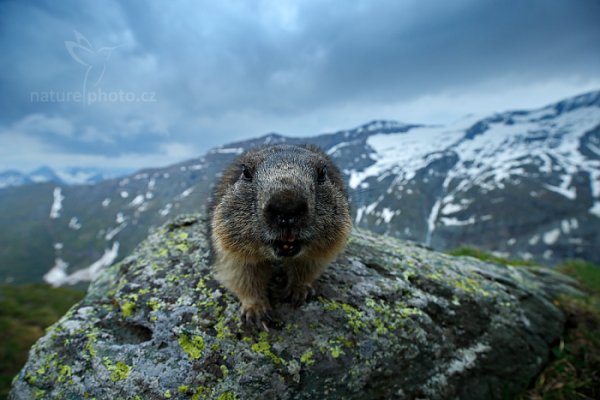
x: 63, y: 176
x: 523, y: 184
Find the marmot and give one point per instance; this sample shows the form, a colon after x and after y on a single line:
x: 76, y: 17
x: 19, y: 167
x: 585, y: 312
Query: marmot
x: 277, y: 204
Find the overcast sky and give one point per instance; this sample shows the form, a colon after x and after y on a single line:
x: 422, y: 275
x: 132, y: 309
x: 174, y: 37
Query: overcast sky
x: 135, y: 84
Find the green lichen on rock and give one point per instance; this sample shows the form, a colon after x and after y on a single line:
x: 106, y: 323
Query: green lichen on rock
x: 227, y: 396
x: 127, y: 308
x: 119, y: 371
x: 262, y: 346
x: 193, y: 347
x: 391, y: 319
x: 307, y: 358
x: 355, y: 317
x: 65, y: 373
x: 183, y: 389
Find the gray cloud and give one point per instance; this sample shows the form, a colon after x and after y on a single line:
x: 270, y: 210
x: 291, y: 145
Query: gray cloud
x: 219, y: 71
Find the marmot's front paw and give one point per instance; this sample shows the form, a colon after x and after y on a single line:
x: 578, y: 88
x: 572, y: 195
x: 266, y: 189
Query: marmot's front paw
x: 256, y: 314
x: 298, y: 294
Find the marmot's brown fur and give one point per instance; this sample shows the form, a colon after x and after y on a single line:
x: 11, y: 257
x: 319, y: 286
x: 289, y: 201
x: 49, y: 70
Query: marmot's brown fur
x: 277, y: 204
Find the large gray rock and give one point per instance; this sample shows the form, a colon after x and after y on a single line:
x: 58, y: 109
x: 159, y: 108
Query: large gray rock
x: 391, y: 320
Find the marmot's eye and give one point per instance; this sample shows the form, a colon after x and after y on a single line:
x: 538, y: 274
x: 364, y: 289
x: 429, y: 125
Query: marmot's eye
x: 322, y: 174
x: 246, y: 173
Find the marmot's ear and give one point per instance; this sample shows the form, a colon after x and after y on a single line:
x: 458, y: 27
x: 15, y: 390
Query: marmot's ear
x: 232, y: 173
x: 246, y: 172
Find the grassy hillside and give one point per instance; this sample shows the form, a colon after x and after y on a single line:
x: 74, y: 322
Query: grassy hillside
x: 25, y: 312
x: 575, y: 370
x: 487, y: 257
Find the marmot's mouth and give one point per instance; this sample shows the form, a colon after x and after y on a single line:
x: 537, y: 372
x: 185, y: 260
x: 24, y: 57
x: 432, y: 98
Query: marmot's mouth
x: 285, y: 248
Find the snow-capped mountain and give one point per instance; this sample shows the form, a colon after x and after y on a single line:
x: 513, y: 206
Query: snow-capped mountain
x: 13, y: 178
x: 524, y: 184
x: 66, y: 176
x: 44, y: 174
x: 84, y: 175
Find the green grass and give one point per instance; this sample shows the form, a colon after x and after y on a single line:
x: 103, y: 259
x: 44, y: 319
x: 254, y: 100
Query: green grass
x: 574, y: 369
x: 574, y: 372
x: 586, y: 273
x: 25, y: 312
x: 487, y: 257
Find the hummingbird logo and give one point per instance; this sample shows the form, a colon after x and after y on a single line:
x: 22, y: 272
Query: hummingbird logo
x: 94, y: 60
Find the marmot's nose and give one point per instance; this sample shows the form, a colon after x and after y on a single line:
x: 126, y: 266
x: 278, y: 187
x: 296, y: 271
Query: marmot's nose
x: 286, y: 208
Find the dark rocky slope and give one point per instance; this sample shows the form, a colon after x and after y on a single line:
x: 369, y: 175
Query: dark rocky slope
x: 391, y: 320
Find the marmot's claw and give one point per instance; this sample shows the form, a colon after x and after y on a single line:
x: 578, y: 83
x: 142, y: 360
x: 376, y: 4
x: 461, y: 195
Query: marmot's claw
x: 298, y: 295
x: 256, y: 315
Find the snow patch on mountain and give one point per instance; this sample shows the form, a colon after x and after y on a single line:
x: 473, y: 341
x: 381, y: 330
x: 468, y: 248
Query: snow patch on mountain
x: 56, y: 203
x: 595, y: 210
x: 79, y: 177
x: 74, y: 224
x: 137, y: 201
x: 12, y: 178
x: 451, y: 208
x: 185, y: 193
x: 140, y: 176
x: 387, y: 214
x: 457, y: 222
x: 563, y: 189
x: 403, y: 154
x: 551, y: 237
x: 114, y: 232
x: 332, y: 150
x: 496, y: 155
x: 166, y: 209
x: 57, y: 276
x: 534, y: 240
x: 225, y: 150
x: 433, y: 214
x: 44, y: 174
x: 568, y: 225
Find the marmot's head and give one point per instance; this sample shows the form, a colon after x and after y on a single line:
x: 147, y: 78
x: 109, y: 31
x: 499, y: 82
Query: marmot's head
x: 280, y: 201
